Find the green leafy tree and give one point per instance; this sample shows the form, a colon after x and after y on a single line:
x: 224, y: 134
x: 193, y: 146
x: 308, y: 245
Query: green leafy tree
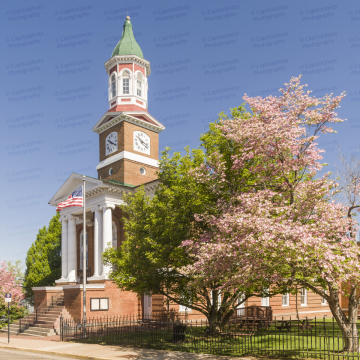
x: 43, y: 260
x: 151, y: 255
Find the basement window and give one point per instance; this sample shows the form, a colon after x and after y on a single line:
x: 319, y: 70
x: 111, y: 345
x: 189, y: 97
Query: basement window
x: 99, y: 304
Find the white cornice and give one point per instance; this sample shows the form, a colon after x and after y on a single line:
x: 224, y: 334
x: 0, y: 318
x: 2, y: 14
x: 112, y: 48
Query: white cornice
x: 131, y: 119
x: 48, y: 288
x: 117, y: 191
x: 130, y: 156
x: 151, y: 187
x: 121, y: 59
x: 98, y: 187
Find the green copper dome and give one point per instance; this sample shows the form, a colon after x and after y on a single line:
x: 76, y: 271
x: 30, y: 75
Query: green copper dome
x: 127, y: 44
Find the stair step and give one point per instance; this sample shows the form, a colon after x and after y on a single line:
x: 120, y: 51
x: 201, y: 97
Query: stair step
x: 31, y: 331
x: 45, y: 323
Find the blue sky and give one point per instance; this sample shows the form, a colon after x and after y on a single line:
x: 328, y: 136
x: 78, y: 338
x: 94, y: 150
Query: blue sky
x: 204, y: 56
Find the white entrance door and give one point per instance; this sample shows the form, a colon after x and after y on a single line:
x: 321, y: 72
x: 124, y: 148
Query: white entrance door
x: 147, y: 307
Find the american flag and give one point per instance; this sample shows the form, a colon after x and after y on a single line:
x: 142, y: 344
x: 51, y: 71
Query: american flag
x: 75, y: 199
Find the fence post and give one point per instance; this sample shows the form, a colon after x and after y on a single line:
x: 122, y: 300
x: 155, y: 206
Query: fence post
x: 61, y: 328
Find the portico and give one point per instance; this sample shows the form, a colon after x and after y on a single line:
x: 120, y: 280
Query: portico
x: 102, y: 197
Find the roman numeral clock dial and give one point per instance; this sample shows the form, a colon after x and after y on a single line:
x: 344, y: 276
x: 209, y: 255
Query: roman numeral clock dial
x: 141, y: 142
x: 111, y: 143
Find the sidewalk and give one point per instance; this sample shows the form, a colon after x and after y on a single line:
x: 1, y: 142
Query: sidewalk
x: 94, y: 351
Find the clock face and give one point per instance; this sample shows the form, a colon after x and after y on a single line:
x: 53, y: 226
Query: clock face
x: 141, y: 142
x: 111, y: 143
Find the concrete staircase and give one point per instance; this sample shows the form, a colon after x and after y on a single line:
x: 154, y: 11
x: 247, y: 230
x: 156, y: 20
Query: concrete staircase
x: 46, y: 324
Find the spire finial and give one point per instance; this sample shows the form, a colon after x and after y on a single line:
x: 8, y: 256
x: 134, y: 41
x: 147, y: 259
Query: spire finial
x: 128, y: 17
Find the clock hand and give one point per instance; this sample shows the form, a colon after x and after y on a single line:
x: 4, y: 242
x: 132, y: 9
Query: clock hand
x: 146, y: 145
x: 111, y: 142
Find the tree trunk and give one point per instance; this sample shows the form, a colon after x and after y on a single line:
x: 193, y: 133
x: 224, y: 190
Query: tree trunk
x: 346, y: 324
x: 297, y: 306
x: 351, y: 338
x: 214, y: 316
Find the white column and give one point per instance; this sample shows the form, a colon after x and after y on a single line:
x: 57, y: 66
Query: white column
x: 72, y: 249
x: 64, y: 248
x: 97, y: 241
x: 106, y: 235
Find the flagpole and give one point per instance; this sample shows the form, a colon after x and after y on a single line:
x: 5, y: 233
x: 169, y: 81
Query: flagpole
x: 84, y: 257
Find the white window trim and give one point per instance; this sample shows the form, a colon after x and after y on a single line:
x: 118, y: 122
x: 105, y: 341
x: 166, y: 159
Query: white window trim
x: 287, y: 299
x: 219, y: 298
x: 265, y: 301
x: 113, y: 74
x: 241, y: 309
x: 142, y: 84
x: 323, y: 300
x: 183, y: 308
x: 100, y: 301
x: 130, y: 82
x: 301, y: 297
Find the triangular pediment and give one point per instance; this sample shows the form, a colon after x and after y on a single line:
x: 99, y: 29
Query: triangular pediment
x: 141, y: 118
x: 73, y: 182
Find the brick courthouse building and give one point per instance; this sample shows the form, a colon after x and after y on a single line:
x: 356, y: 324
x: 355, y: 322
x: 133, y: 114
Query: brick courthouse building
x: 128, y: 150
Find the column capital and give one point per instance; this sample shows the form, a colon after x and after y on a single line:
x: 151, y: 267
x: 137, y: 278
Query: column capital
x: 63, y: 218
x: 72, y: 217
x: 96, y: 208
x: 106, y: 205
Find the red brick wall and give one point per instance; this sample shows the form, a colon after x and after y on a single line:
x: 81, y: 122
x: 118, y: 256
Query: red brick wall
x: 125, y: 140
x: 73, y: 302
x: 125, y: 66
x: 40, y: 296
x: 126, y: 107
x: 139, y: 68
x: 312, y: 309
x: 121, y: 303
x: 128, y: 172
x: 130, y: 67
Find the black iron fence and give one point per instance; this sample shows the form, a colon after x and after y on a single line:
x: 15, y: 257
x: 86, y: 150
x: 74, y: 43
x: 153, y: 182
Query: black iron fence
x: 307, y: 338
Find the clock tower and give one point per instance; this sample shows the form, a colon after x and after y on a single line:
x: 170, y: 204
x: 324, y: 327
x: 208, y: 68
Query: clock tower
x: 128, y: 134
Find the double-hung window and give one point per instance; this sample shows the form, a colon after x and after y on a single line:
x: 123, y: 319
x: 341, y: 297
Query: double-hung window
x: 101, y: 304
x: 113, y: 86
x: 265, y: 301
x: 126, y: 83
x: 285, y: 299
x: 303, y: 296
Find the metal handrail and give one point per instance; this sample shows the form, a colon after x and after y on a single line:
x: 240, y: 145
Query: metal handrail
x: 46, y: 304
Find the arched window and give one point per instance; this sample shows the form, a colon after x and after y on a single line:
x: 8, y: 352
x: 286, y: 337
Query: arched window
x: 82, y: 249
x: 139, y: 84
x: 114, y: 235
x: 126, y: 83
x: 113, y: 86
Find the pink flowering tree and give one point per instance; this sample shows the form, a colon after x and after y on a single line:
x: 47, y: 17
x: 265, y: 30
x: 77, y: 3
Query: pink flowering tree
x: 283, y: 226
x: 10, y: 283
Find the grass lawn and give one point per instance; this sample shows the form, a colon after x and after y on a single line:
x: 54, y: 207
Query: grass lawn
x: 323, y: 340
